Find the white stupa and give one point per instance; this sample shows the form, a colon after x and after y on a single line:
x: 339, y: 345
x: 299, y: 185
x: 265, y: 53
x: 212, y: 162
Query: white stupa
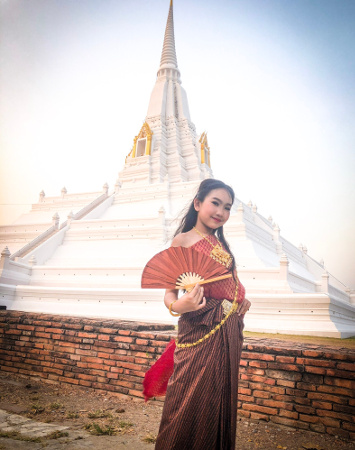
x: 83, y: 254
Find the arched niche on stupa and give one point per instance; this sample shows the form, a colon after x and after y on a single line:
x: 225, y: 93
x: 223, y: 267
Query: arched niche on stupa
x: 205, y: 150
x: 142, y: 143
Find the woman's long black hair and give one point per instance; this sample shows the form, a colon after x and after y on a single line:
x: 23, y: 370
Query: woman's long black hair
x: 190, y: 218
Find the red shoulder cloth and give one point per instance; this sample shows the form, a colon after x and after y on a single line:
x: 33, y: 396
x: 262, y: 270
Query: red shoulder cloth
x: 156, y: 378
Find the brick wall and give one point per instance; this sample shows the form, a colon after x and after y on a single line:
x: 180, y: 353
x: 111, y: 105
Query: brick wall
x: 301, y: 386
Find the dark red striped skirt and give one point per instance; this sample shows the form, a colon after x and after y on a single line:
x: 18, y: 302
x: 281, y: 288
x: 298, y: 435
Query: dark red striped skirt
x: 200, y: 409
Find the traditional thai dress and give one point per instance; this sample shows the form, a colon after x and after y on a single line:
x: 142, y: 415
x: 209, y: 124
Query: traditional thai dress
x: 200, y: 409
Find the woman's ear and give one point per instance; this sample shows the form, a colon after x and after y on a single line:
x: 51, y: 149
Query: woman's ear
x: 197, y: 204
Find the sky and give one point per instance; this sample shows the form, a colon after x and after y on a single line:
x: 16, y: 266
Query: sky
x: 271, y: 81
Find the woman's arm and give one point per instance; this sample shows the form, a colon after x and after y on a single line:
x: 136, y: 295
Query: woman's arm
x: 191, y: 301
x: 243, y: 307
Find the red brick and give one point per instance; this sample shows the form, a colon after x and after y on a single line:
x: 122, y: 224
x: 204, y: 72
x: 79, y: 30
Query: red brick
x: 340, y: 382
x: 260, y: 364
x: 289, y: 414
x: 143, y: 335
x: 317, y: 427
x: 69, y: 380
x: 315, y: 362
x: 307, y: 418
x: 335, y: 415
x: 304, y: 409
x: 51, y: 370
x: 103, y: 355
x: 142, y: 341
x: 286, y: 359
x: 246, y: 398
x: 100, y: 348
x: 268, y: 388
x: 162, y: 344
x: 112, y: 375
x: 312, y: 353
x: 302, y: 401
x: 54, y: 330
x: 346, y: 366
x: 124, y: 332
x: 338, y: 432
x: 286, y: 383
x: 103, y: 337
x: 85, y: 352
x: 136, y: 393
x: 116, y: 369
x: 92, y: 360
x: 85, y: 383
x: 124, y: 339
x: 329, y: 422
x: 257, y: 416
x: 122, y: 358
x: 290, y: 422
x: 261, y: 394
x: 244, y: 391
x: 345, y: 409
x: 275, y: 404
x: 83, y: 334
x: 286, y: 367
x: 260, y: 409
x: 317, y: 370
x: 9, y: 369
x: 312, y: 378
x: 25, y: 327
x: 321, y: 405
x: 13, y: 331
x: 321, y: 396
x: 348, y: 426
x: 108, y: 330
x: 255, y: 371
x: 341, y: 374
x: 258, y: 356
x: 242, y: 413
x: 306, y: 387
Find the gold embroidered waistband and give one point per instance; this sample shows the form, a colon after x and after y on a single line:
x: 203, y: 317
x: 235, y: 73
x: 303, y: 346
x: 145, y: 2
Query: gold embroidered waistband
x: 229, y: 308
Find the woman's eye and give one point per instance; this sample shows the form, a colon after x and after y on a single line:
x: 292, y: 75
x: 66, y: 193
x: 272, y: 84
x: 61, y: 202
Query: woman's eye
x: 215, y: 203
x: 228, y: 209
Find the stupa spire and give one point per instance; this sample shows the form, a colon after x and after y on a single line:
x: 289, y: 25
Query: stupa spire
x: 167, y: 146
x: 168, y: 56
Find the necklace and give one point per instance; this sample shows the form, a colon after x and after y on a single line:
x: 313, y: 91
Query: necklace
x: 217, y: 253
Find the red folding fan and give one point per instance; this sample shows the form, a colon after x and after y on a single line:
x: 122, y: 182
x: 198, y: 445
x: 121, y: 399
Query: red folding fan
x: 181, y: 268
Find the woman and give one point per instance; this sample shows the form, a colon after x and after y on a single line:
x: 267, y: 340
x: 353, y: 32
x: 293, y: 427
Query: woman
x: 200, y: 409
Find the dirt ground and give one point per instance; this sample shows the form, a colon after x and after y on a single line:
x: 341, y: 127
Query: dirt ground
x: 106, y: 422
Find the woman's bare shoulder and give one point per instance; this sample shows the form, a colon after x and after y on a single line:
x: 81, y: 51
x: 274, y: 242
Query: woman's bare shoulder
x: 183, y: 240
x: 179, y: 240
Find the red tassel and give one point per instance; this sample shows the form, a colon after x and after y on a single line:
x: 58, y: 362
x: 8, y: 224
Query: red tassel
x: 156, y: 378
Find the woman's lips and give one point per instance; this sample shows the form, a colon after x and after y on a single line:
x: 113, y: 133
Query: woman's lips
x: 216, y: 220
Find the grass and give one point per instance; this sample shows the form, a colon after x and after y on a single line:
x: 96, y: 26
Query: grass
x: 99, y: 430
x: 56, y: 405
x: 123, y: 424
x: 37, y: 409
x: 149, y: 439
x: 316, y: 340
x: 99, y: 414
x: 109, y: 430
x: 72, y: 415
x: 58, y: 434
x: 18, y: 437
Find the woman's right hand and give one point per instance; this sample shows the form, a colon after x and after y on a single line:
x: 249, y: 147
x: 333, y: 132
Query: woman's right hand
x: 191, y: 301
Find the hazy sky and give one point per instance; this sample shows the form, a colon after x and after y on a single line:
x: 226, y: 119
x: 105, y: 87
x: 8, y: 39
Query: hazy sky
x: 271, y: 81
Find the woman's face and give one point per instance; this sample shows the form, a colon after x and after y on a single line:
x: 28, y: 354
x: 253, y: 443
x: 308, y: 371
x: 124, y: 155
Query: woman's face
x: 214, y: 210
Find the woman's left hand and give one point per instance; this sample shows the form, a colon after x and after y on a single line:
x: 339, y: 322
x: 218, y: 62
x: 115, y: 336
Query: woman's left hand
x: 243, y: 307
